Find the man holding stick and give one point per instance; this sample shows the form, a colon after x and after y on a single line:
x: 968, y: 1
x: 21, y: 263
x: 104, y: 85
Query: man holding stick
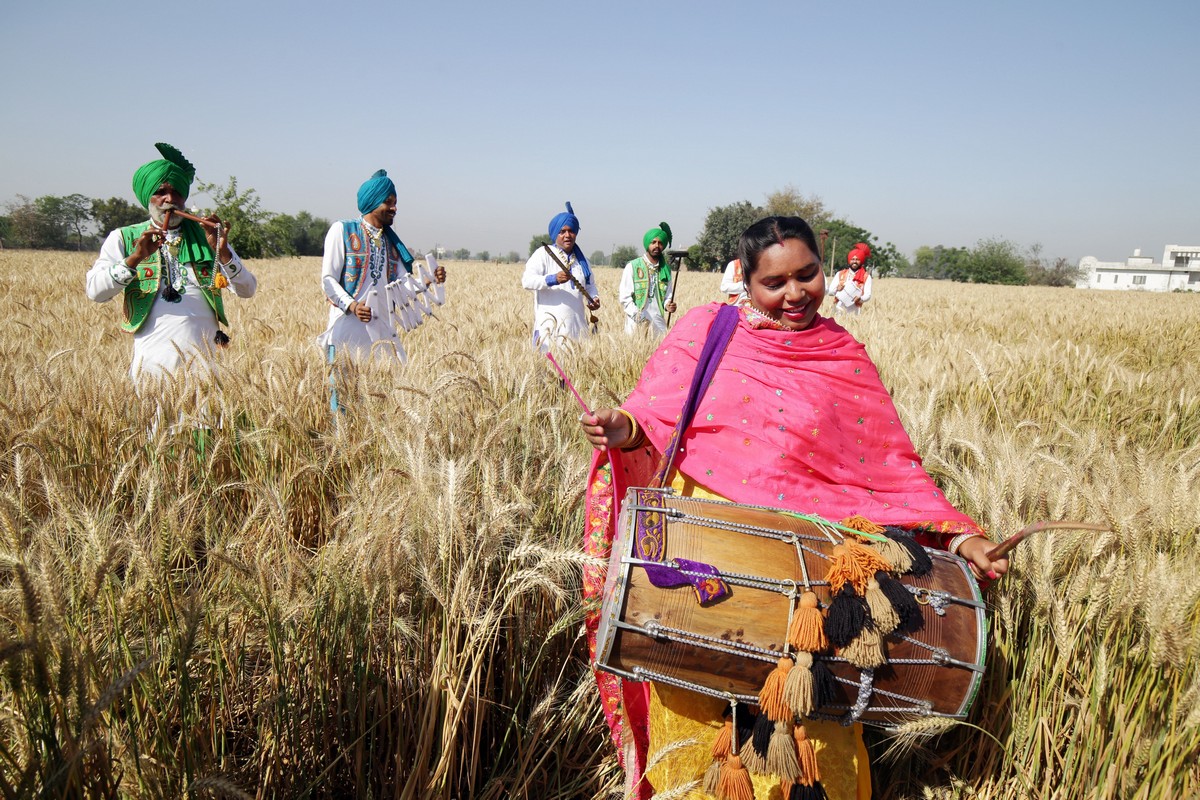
x: 171, y: 270
x: 645, y: 282
x: 563, y: 285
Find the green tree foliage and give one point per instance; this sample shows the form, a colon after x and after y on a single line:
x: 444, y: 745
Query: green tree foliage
x: 722, y: 229
x: 537, y: 241
x: 243, y: 213
x: 35, y: 223
x: 623, y: 255
x: 75, y: 211
x: 996, y: 261
x: 483, y: 255
x: 462, y: 254
x: 694, y: 257
x: 300, y: 235
x: 885, y: 258
x: 788, y: 202
x: 513, y: 257
x: 598, y: 259
x: 116, y: 212
x: 939, y: 262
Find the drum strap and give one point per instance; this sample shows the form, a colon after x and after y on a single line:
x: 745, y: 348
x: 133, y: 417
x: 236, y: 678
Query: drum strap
x: 710, y: 356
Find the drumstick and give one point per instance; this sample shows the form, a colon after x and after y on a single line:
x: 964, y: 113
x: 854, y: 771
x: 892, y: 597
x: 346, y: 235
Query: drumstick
x: 1008, y: 544
x: 567, y: 383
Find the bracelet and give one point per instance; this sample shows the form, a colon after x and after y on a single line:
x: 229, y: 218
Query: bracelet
x: 957, y: 542
x: 636, y: 435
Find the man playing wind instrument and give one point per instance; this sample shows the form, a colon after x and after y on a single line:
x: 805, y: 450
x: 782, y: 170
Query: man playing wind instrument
x: 645, y: 282
x: 171, y: 271
x: 362, y: 256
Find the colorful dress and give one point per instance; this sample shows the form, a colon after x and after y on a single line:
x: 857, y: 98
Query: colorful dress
x: 798, y: 420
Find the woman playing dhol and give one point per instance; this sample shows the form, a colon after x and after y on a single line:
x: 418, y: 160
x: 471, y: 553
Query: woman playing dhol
x: 795, y: 417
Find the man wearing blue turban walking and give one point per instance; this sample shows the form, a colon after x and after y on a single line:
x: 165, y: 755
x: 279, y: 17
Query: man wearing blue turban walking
x: 564, y: 289
x: 362, y: 256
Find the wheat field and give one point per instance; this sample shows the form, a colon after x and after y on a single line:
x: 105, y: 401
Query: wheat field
x: 388, y: 605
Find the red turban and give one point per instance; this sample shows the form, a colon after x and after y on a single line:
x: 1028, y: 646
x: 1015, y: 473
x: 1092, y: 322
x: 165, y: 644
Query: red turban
x: 862, y: 250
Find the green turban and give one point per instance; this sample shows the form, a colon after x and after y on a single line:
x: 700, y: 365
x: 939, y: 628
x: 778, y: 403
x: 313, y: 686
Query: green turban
x: 662, y: 233
x: 172, y: 168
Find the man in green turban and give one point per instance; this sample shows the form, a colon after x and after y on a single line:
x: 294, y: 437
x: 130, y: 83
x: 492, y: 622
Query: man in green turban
x: 645, y: 282
x: 170, y: 272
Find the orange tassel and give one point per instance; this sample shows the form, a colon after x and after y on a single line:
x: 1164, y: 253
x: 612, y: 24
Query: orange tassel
x: 861, y: 523
x: 219, y: 280
x: 807, y: 631
x: 734, y: 782
x: 856, y: 564
x: 807, y: 754
x: 722, y: 744
x: 770, y: 699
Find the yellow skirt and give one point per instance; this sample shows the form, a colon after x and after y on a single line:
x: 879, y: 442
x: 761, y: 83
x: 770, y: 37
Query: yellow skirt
x: 684, y: 724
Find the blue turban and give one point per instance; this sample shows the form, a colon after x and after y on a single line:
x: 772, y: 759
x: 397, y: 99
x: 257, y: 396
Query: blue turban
x: 377, y: 189
x: 568, y: 219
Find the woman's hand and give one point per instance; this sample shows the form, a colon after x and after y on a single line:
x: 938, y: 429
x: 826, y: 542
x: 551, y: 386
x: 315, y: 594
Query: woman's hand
x: 605, y: 428
x: 975, y: 550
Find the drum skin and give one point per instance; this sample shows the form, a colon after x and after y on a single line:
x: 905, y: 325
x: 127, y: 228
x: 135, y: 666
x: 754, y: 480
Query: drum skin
x: 759, y: 617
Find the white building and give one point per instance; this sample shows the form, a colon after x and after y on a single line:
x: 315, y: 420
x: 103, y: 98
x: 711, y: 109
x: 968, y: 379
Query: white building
x: 1179, y: 271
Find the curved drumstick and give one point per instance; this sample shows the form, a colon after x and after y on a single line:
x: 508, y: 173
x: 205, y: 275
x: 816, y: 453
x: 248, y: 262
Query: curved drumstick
x: 1014, y: 540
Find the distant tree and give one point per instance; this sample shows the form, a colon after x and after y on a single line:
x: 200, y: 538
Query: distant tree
x: 5, y: 230
x: 54, y: 222
x: 693, y: 257
x: 885, y: 258
x: 462, y: 254
x: 115, y: 212
x: 538, y: 240
x: 301, y: 235
x: 788, y: 202
x: 623, y: 255
x: 1043, y: 273
x: 996, y: 261
x: 24, y: 223
x: 244, y: 214
x: 513, y: 257
x: 939, y: 262
x: 722, y: 229
x: 483, y: 255
x: 598, y: 259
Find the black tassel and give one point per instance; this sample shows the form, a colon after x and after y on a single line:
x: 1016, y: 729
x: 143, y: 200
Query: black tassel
x: 745, y: 725
x: 761, y: 738
x: 824, y: 684
x: 907, y: 609
x: 848, y: 615
x: 922, y: 564
x: 221, y: 339
x: 814, y: 792
x: 170, y: 294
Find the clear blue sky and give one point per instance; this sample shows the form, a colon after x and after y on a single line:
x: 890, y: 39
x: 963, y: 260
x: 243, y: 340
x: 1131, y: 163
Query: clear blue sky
x: 1070, y: 124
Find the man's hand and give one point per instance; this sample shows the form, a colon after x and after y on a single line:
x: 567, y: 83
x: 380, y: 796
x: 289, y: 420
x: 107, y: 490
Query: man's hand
x: 221, y: 248
x: 671, y: 306
x: 562, y: 276
x: 594, y: 304
x: 439, y: 274
x: 361, y: 310
x: 143, y: 247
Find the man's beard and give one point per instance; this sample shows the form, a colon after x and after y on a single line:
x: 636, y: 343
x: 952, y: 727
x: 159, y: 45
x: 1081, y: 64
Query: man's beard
x: 159, y: 213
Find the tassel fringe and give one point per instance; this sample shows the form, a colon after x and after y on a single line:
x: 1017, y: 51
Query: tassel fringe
x: 807, y: 631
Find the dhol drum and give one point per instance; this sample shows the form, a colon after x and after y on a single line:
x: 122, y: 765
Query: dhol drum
x: 727, y: 647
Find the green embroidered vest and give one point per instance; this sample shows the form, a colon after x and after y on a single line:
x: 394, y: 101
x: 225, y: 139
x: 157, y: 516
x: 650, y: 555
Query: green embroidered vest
x: 142, y: 291
x: 642, y: 273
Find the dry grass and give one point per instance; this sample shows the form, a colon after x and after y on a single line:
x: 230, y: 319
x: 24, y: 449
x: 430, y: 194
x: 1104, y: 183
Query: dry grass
x: 388, y: 606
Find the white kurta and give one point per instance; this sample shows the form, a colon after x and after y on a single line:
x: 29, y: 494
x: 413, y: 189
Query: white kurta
x: 848, y: 295
x: 559, y: 310
x: 174, y: 334
x: 345, y: 331
x: 731, y: 281
x: 650, y: 314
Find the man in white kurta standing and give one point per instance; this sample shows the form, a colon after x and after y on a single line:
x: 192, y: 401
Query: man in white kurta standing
x: 362, y: 256
x: 850, y: 288
x: 731, y: 281
x: 645, y: 282
x: 171, y: 272
x: 564, y: 289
